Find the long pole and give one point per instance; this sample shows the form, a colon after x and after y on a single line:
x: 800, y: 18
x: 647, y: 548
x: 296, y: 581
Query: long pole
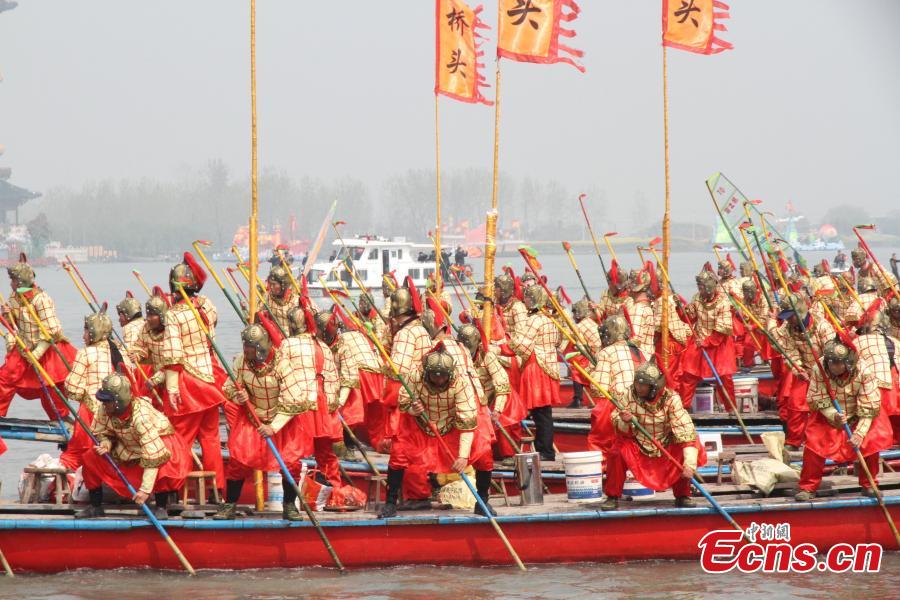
x: 254, y: 174
x: 149, y: 513
x: 640, y: 428
x: 490, y: 236
x: 284, y: 469
x: 593, y: 235
x: 568, y: 248
x: 212, y: 271
x: 709, y: 362
x: 438, y: 283
x: 834, y: 403
x: 443, y: 444
x: 664, y: 324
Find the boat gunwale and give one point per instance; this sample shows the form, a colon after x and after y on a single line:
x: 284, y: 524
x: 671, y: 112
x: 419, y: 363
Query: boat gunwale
x: 404, y: 521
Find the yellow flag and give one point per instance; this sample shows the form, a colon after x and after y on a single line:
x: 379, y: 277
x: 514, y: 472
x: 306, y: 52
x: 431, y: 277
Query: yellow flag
x: 456, y: 68
x: 529, y: 31
x: 691, y: 25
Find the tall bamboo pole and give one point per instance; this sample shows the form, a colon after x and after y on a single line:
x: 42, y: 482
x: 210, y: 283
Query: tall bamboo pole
x: 490, y: 247
x: 438, y: 283
x: 664, y: 326
x: 254, y: 209
x: 254, y: 172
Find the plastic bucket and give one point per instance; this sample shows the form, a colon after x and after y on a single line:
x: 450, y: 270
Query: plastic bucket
x: 584, y: 476
x: 703, y: 399
x: 635, y: 490
x: 275, y: 497
x: 746, y: 392
x: 712, y: 443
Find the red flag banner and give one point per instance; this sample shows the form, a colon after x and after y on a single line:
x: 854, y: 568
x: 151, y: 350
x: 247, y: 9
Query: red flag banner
x: 457, y: 52
x: 529, y: 31
x: 692, y: 25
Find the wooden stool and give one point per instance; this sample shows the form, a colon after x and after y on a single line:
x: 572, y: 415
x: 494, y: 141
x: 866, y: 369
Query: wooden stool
x: 201, y: 478
x: 526, y: 443
x: 373, y: 496
x: 59, y: 477
x: 726, y: 457
x: 497, y: 483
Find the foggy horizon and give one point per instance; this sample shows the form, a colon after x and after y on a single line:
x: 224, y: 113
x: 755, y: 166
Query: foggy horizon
x: 802, y: 110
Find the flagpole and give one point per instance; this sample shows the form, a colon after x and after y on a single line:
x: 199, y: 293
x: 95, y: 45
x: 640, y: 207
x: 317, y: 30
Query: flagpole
x: 490, y: 236
x: 254, y: 208
x: 664, y: 325
x: 438, y: 283
x: 254, y: 183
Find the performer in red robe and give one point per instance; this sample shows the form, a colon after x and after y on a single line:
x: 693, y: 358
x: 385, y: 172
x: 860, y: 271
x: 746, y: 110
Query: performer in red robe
x: 17, y: 375
x: 141, y: 441
x: 856, y: 391
x: 661, y: 413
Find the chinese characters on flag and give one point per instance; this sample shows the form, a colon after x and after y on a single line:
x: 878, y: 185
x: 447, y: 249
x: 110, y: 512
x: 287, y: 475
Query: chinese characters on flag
x: 692, y: 25
x: 529, y: 31
x: 457, y: 70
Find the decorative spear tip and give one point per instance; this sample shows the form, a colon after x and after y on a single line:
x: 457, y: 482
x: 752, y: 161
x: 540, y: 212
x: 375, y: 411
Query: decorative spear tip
x: 581, y: 197
x: 203, y: 242
x: 610, y: 234
x: 655, y: 241
x: 870, y: 226
x: 567, y: 246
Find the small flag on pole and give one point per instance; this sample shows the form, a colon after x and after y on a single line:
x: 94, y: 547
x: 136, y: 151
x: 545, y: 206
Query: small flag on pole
x: 456, y: 68
x: 692, y: 25
x: 529, y: 31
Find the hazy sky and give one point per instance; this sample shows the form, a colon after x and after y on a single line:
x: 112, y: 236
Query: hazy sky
x: 805, y: 108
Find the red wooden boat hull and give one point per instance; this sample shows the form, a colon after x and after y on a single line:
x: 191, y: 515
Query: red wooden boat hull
x: 588, y: 536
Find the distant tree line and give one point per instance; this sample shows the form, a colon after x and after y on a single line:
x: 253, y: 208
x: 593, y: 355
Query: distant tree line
x: 147, y: 218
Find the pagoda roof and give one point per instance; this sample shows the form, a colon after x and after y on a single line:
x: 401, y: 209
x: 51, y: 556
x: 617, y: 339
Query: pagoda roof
x: 12, y: 196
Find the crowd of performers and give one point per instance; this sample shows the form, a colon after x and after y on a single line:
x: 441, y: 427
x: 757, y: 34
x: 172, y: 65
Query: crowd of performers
x: 441, y: 395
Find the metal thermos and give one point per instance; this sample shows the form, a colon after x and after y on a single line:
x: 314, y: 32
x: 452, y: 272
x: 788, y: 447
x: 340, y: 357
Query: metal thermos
x: 528, y: 478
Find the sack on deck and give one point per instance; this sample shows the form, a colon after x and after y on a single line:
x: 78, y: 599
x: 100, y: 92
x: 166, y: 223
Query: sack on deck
x: 763, y: 474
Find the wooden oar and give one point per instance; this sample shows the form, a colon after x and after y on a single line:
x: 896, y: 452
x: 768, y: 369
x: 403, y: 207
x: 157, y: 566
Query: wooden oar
x: 109, y: 459
x: 269, y: 442
x: 568, y: 248
x: 637, y: 425
x: 485, y: 509
x: 834, y: 403
x: 140, y: 279
x: 231, y: 300
x: 593, y: 236
x: 81, y: 277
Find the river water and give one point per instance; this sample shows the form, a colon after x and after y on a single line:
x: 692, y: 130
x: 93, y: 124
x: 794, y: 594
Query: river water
x: 668, y: 579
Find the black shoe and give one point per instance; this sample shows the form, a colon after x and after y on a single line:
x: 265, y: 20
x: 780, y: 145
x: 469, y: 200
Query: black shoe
x: 160, y: 513
x: 868, y: 492
x: 574, y: 404
x: 548, y: 457
x: 289, y: 512
x: 388, y: 511
x: 479, y: 511
x: 611, y: 503
x: 226, y: 512
x: 415, y: 505
x: 684, y: 502
x: 804, y: 496
x: 91, y: 512
x: 791, y: 448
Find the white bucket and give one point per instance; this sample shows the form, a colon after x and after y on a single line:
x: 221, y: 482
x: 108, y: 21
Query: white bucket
x: 584, y: 476
x: 636, y: 490
x: 746, y: 392
x: 704, y: 396
x: 712, y: 443
x: 275, y: 497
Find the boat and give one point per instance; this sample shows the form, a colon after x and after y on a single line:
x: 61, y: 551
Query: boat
x: 373, y: 257
x: 43, y: 540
